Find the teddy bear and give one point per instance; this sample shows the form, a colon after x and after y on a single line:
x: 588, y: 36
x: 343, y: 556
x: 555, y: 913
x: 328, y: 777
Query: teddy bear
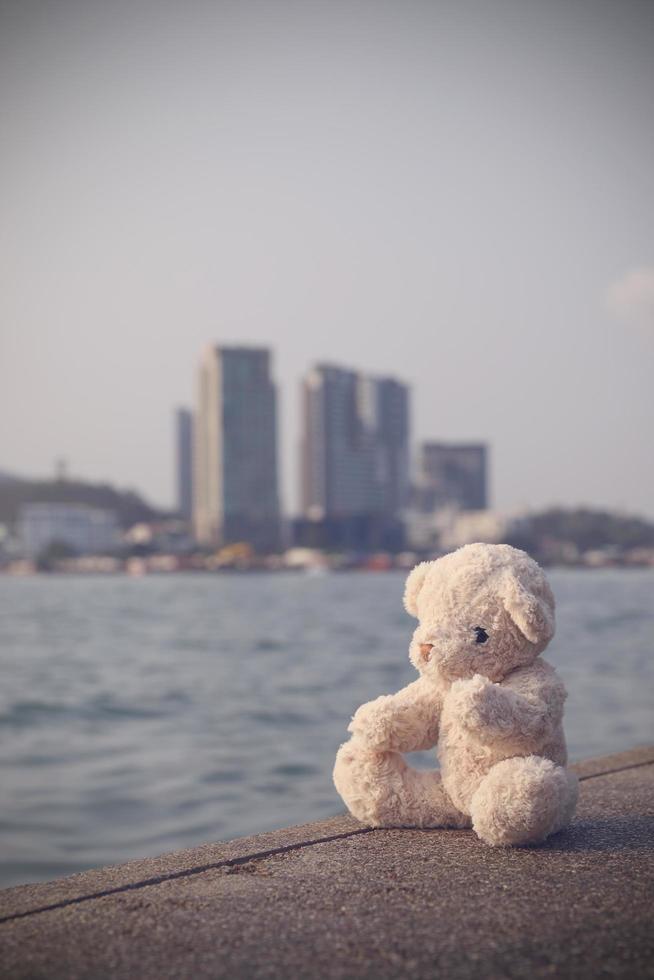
x: 485, y: 695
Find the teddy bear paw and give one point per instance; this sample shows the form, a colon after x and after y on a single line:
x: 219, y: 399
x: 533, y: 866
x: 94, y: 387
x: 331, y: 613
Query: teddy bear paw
x: 372, y: 723
x: 476, y: 702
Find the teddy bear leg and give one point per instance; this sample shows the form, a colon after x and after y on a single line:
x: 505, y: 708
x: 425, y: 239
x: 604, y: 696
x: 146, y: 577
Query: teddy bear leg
x: 381, y: 790
x: 522, y: 801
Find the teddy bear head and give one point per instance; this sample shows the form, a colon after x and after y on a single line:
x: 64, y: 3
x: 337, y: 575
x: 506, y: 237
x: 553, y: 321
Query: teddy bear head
x: 484, y: 609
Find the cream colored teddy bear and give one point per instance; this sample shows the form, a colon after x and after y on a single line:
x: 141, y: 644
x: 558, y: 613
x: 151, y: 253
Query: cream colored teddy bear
x: 485, y: 614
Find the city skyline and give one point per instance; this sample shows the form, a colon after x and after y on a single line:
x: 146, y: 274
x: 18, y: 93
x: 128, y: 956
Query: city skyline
x: 461, y: 195
x: 358, y: 488
x: 354, y: 458
x: 183, y: 417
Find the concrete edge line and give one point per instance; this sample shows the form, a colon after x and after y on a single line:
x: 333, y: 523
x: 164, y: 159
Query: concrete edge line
x: 609, y: 772
x: 244, y: 859
x: 185, y: 873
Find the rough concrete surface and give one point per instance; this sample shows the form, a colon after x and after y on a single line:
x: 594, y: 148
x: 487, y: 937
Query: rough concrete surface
x: 332, y: 899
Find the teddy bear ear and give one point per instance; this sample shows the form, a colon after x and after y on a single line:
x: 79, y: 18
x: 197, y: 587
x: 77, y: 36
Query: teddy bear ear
x: 533, y: 614
x: 414, y: 584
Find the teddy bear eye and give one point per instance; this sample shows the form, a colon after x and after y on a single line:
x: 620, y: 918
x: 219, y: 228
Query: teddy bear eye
x: 480, y: 634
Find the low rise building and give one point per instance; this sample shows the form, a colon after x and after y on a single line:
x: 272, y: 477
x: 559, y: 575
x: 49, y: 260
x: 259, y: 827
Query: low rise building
x: 84, y: 530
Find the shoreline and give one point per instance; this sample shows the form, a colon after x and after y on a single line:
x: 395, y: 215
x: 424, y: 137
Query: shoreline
x: 311, y: 571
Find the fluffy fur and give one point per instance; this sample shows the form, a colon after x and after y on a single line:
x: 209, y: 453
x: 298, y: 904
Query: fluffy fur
x: 495, y: 708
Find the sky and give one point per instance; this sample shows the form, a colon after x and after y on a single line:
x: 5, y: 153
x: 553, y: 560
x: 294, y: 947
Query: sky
x: 459, y: 194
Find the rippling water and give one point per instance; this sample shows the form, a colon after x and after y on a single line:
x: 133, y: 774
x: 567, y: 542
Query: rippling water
x: 142, y: 715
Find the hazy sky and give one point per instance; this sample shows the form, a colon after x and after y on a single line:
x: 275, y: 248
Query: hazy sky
x: 461, y: 194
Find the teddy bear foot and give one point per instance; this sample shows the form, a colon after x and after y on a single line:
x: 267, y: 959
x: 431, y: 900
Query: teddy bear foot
x: 522, y: 801
x: 381, y: 790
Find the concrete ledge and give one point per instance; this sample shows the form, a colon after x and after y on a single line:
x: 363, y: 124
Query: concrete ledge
x: 27, y: 899
x: 606, y: 764
x: 335, y: 899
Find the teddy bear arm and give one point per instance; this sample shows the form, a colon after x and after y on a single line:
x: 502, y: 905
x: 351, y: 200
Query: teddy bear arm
x: 539, y: 698
x: 524, y: 712
x: 525, y: 717
x: 407, y: 721
x: 528, y: 708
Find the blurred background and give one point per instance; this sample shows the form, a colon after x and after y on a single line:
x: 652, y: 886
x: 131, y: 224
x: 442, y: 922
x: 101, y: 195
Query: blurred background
x: 295, y: 295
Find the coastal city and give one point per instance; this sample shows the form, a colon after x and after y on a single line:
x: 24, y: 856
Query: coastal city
x: 367, y: 499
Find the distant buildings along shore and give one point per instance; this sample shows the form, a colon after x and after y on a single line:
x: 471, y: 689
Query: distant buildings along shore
x: 356, y: 489
x: 361, y: 504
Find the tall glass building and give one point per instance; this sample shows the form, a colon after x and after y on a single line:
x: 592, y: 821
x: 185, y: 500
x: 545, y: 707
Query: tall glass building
x: 355, y: 456
x: 235, y: 460
x: 184, y: 462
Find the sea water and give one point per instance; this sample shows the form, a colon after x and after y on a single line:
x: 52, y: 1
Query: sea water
x: 141, y: 715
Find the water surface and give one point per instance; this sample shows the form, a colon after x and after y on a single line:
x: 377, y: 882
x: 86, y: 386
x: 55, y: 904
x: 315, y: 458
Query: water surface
x: 139, y: 716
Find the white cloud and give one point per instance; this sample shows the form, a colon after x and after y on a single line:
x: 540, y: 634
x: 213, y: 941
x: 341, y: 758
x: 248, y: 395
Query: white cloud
x: 631, y: 298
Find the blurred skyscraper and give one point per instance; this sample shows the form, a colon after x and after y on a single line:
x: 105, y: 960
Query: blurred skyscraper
x: 452, y: 475
x: 235, y: 449
x: 355, y: 459
x: 184, y: 461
